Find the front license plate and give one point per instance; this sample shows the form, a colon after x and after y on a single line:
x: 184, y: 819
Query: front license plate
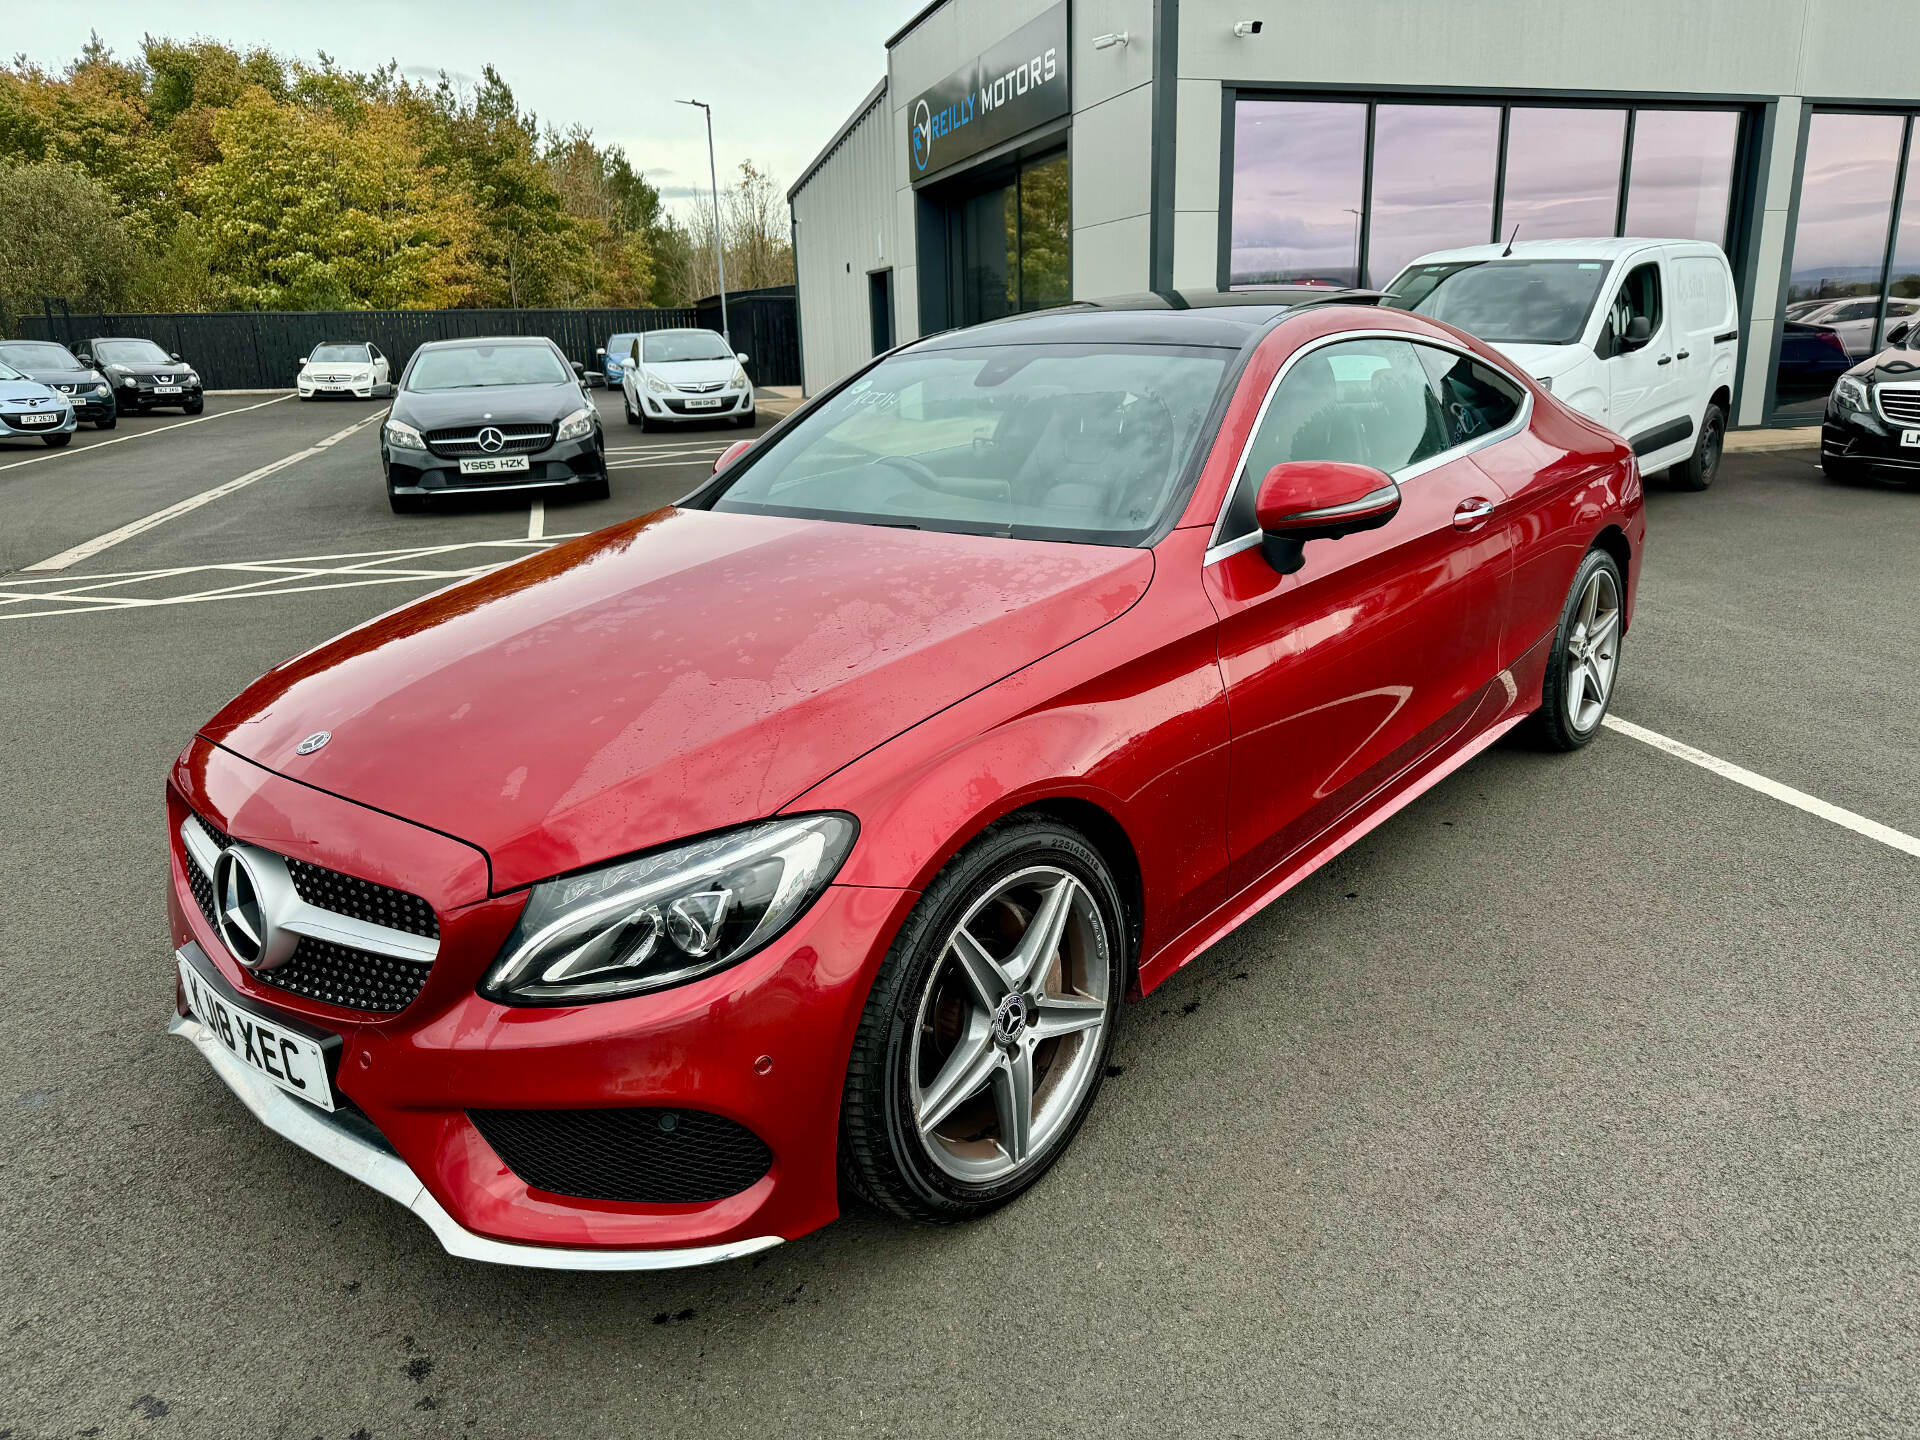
x: 1910, y: 437
x: 493, y: 464
x: 166, y: 389
x: 293, y: 1062
x: 49, y: 419
x: 711, y: 403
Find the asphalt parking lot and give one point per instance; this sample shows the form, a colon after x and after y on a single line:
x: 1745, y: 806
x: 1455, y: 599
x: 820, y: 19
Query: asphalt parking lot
x: 1577, y: 1099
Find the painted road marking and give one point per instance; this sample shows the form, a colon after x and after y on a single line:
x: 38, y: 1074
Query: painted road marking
x: 1785, y: 794
x: 70, y: 451
x: 537, y: 520
x: 88, y: 549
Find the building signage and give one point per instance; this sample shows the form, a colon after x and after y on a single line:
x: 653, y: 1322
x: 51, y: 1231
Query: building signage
x: 1014, y: 86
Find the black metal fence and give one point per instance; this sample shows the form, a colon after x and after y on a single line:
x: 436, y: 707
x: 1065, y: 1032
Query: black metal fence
x: 254, y: 350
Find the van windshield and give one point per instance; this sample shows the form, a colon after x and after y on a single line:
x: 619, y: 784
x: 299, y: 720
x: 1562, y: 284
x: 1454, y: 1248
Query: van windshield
x: 1518, y: 302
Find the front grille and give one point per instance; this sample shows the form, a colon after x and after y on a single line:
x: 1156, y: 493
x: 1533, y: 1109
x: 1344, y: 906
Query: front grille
x: 351, y: 979
x: 703, y: 388
x: 1902, y: 406
x: 637, y: 1156
x: 325, y: 971
x: 465, y: 440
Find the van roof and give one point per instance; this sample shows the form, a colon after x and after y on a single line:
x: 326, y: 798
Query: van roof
x: 1610, y: 248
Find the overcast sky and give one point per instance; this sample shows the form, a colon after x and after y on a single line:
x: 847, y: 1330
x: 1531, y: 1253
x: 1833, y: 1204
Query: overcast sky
x: 780, y: 77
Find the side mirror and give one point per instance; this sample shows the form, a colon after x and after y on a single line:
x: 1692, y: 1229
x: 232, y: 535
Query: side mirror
x: 578, y: 368
x: 302, y: 361
x: 1639, y: 331
x: 1304, y: 500
x: 741, y: 356
x: 176, y: 358
x: 730, y: 454
x: 1897, y: 334
x: 85, y: 357
x: 601, y: 351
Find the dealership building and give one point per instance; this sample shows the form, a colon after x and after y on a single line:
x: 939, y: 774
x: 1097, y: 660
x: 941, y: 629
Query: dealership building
x: 1021, y: 153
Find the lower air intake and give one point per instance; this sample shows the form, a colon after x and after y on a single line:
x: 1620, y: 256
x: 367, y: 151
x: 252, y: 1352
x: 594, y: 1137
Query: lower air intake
x: 639, y: 1156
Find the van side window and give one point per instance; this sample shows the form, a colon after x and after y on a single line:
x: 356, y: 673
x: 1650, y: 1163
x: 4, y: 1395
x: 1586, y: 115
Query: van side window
x: 1475, y: 399
x: 1637, y: 299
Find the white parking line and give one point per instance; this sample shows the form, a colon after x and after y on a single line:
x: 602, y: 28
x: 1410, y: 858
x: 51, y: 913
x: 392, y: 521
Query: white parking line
x: 71, y: 451
x: 536, y: 519
x: 90, y: 548
x: 1785, y: 794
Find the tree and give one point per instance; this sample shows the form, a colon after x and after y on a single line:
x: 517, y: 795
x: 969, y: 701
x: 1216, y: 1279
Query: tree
x: 60, y: 237
x: 757, y: 243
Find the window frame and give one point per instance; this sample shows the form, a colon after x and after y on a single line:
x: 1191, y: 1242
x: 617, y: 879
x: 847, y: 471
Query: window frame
x: 1219, y: 546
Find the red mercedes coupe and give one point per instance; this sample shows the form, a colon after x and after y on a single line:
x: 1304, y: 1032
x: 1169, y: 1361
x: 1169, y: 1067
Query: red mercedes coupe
x: 629, y: 906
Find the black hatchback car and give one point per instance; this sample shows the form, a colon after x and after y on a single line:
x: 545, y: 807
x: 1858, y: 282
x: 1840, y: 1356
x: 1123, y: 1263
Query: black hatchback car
x: 499, y: 414
x: 58, y: 368
x: 1872, y: 424
x: 143, y: 376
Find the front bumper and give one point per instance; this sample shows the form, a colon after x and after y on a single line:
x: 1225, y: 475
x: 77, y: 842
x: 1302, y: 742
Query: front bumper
x: 357, y: 388
x: 675, y: 406
x: 565, y: 462
x: 763, y: 1044
x: 129, y: 395
x: 97, y: 405
x: 1870, y: 440
x: 10, y: 429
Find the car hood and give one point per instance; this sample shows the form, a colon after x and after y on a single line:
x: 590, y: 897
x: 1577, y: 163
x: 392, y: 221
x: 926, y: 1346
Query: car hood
x: 1544, y: 361
x: 17, y: 390
x: 1896, y: 363
x: 693, y: 372
x: 503, y: 404
x: 60, y: 376
x: 668, y: 676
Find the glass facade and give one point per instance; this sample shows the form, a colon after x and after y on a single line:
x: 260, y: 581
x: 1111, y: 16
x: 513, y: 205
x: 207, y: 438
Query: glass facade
x: 1837, y: 271
x: 1344, y: 190
x: 1014, y: 243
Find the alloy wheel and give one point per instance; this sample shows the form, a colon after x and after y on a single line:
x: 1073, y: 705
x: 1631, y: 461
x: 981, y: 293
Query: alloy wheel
x: 1009, y: 1028
x: 1593, y: 650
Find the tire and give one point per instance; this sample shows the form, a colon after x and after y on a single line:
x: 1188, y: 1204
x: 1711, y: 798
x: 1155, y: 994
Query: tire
x: 194, y: 406
x: 923, y: 1018
x: 54, y: 442
x: 597, y: 490
x: 406, y: 504
x: 1697, y: 471
x: 1562, y: 722
x: 108, y: 423
x: 1841, y: 471
x: 740, y: 422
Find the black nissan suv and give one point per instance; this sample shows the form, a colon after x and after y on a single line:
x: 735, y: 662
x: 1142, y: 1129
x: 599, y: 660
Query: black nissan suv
x: 499, y: 414
x: 143, y: 376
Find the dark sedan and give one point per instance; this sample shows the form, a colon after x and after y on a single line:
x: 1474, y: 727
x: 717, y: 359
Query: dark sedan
x: 1872, y: 424
x: 143, y: 376
x: 57, y: 368
x: 507, y: 413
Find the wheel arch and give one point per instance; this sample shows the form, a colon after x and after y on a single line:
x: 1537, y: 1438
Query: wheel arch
x: 1614, y: 541
x: 1723, y: 397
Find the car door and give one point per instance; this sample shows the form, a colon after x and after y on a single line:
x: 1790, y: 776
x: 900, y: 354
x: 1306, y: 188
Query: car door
x: 381, y: 370
x: 1647, y: 407
x: 1378, y: 649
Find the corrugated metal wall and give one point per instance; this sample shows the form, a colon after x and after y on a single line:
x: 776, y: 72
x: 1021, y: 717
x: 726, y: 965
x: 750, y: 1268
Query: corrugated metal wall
x: 843, y: 232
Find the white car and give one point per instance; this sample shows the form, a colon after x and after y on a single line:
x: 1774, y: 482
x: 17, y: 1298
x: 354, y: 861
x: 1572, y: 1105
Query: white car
x: 1641, y: 335
x: 1853, y: 318
x: 674, y: 375
x: 343, y: 367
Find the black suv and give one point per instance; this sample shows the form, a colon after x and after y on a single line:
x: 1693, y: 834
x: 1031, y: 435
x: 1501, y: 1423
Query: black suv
x: 507, y: 413
x: 143, y: 376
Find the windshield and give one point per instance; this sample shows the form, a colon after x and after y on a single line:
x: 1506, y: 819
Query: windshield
x: 619, y: 345
x: 1521, y: 302
x: 43, y: 354
x: 1064, y: 442
x: 7, y: 372
x: 341, y: 354
x: 663, y: 347
x: 130, y: 352
x: 474, y: 367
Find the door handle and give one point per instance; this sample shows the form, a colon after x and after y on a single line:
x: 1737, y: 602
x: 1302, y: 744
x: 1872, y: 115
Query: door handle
x: 1471, y: 514
x: 1683, y: 355
x: 1664, y: 360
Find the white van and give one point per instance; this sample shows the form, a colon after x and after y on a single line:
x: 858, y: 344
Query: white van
x: 1641, y: 335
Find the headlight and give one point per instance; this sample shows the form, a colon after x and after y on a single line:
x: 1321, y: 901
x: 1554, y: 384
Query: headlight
x: 739, y: 381
x: 576, y: 426
x: 117, y: 370
x: 669, y: 917
x: 402, y: 436
x: 1851, y: 392
x: 96, y: 376
x: 656, y: 384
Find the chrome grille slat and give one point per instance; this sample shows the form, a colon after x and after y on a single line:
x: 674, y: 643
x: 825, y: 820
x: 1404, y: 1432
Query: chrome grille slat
x: 1900, y: 406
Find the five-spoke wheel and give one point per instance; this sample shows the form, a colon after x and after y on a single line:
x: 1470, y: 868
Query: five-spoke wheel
x: 1586, y: 656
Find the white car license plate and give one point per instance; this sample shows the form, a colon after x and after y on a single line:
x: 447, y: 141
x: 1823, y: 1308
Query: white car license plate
x: 293, y: 1062
x: 711, y: 402
x: 1910, y: 437
x: 52, y: 417
x: 493, y: 464
x: 166, y: 389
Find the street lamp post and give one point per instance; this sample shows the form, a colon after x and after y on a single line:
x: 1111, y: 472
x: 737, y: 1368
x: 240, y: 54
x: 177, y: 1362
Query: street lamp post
x: 719, y: 259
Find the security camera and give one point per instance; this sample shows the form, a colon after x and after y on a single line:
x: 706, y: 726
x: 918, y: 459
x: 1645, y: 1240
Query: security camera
x: 1244, y: 28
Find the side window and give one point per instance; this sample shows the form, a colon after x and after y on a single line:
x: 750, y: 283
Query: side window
x: 1475, y: 399
x: 633, y: 351
x: 1638, y: 299
x: 1363, y: 401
